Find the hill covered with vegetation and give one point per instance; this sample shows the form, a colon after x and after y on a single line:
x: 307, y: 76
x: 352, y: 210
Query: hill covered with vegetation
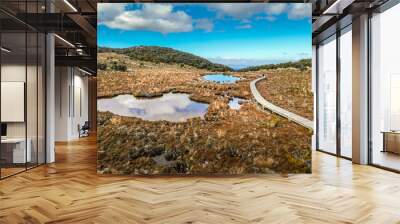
x: 167, y: 55
x: 301, y: 64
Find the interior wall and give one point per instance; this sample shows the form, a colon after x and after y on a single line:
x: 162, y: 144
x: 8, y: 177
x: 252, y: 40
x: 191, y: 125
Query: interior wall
x: 80, y: 110
x: 61, y: 103
x: 71, y: 102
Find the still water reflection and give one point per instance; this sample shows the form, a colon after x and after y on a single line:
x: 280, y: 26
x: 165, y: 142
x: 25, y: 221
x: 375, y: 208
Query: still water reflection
x: 234, y: 103
x: 221, y: 78
x: 176, y: 107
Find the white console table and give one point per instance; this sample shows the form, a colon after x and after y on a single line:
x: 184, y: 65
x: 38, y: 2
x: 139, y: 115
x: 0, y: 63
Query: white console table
x: 18, y: 149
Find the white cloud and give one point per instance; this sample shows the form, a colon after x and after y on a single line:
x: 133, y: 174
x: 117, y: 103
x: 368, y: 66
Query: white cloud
x: 245, y: 21
x: 108, y: 11
x: 237, y: 10
x: 163, y: 18
x: 152, y: 17
x: 299, y: 11
x: 171, y: 107
x: 204, y: 24
x: 268, y: 11
x: 245, y: 26
x: 275, y: 8
x: 268, y: 17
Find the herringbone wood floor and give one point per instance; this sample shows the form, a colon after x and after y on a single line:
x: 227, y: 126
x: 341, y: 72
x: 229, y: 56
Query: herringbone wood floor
x: 70, y: 191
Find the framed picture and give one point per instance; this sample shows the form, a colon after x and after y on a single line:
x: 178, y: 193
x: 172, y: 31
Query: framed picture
x: 181, y: 88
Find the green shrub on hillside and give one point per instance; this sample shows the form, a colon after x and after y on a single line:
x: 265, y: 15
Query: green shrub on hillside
x: 101, y: 66
x: 167, y: 55
x: 118, y: 66
x: 301, y: 64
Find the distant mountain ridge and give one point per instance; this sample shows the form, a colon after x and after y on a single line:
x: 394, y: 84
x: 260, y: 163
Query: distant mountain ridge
x: 167, y: 55
x: 158, y: 54
x: 301, y: 64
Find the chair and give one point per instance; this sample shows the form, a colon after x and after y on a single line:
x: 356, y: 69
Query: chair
x: 84, y: 130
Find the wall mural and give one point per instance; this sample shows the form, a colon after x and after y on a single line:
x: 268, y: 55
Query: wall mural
x: 175, y: 95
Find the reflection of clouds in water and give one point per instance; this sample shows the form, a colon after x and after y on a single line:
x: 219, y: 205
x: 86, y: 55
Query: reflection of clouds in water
x: 164, y: 105
x: 221, y: 78
x: 171, y: 107
x: 234, y: 103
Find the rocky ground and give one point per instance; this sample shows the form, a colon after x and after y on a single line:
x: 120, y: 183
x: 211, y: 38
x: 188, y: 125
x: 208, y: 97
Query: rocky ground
x: 226, y: 141
x: 290, y: 89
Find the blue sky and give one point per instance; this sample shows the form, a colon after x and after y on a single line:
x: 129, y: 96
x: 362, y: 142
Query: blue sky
x: 237, y: 35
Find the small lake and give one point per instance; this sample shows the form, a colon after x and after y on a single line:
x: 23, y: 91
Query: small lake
x: 175, y: 107
x: 234, y: 103
x: 221, y: 78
